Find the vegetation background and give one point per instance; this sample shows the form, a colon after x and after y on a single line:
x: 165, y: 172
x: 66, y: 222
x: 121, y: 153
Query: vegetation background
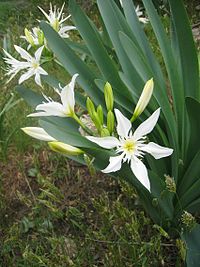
x: 54, y: 212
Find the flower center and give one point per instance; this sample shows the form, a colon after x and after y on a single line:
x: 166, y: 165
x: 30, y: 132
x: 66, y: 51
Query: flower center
x: 129, y: 145
x: 35, y: 65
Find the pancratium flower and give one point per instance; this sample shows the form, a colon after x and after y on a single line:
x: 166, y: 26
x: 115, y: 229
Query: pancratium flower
x: 53, y: 108
x: 131, y: 147
x: 56, y: 19
x: 31, y: 65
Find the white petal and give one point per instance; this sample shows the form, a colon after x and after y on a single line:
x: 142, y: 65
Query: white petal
x: 67, y: 95
x: 38, y: 53
x: 115, y: 164
x: 157, y: 151
x: 147, y: 126
x: 38, y: 133
x: 108, y: 142
x: 140, y: 171
x: 49, y: 109
x: 26, y: 76
x: 123, y: 124
x: 38, y: 79
x: 23, y: 53
x: 41, y: 71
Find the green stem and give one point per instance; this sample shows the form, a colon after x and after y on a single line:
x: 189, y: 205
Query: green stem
x: 85, y: 128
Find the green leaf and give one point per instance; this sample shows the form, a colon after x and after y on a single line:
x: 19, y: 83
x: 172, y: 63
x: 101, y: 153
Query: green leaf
x: 97, y: 49
x: 192, y: 240
x: 193, y: 109
x: 186, y: 48
x: 72, y: 63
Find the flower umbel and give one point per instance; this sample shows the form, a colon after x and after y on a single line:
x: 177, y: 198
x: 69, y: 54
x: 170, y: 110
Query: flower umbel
x: 32, y: 65
x: 56, y: 19
x: 53, y: 108
x: 131, y: 147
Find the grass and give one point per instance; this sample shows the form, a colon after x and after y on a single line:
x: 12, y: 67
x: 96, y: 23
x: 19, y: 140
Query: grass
x: 53, y: 211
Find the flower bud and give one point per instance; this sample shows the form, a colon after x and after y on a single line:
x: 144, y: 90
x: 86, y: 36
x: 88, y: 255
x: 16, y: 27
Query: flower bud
x: 97, y: 121
x: 40, y: 36
x: 38, y: 133
x: 90, y: 107
x: 105, y: 132
x: 100, y: 113
x: 110, y: 121
x: 144, y: 99
x: 65, y: 148
x: 108, y: 93
x: 29, y: 37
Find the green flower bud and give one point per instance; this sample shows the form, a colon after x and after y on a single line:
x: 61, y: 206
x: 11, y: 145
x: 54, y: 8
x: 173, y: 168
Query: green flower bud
x: 90, y: 107
x: 97, y: 121
x: 170, y: 183
x: 29, y: 37
x: 110, y: 121
x: 144, y: 99
x: 100, y: 113
x: 65, y: 148
x: 188, y: 220
x: 108, y: 93
x: 40, y: 36
x: 105, y: 132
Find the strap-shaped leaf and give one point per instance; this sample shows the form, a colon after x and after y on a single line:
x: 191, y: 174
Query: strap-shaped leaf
x: 192, y: 240
x: 193, y: 109
x: 186, y: 48
x: 72, y: 63
x: 115, y: 22
x: 137, y: 30
x: 95, y: 45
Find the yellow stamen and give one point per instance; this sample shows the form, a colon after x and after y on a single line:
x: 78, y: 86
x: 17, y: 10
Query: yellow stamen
x: 129, y: 145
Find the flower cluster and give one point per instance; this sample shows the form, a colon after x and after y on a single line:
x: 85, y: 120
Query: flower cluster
x: 128, y: 146
x: 36, y: 40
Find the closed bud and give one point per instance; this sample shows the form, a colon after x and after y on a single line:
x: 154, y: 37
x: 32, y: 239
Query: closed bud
x: 105, y: 132
x: 90, y: 107
x: 110, y: 121
x: 65, y: 148
x: 188, y: 220
x: 144, y: 99
x: 108, y: 93
x: 97, y: 121
x: 100, y: 113
x: 170, y: 183
x: 40, y: 36
x: 29, y: 37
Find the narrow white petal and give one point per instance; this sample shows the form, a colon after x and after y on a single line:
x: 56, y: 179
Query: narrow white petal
x: 38, y: 79
x: 26, y: 76
x: 108, y: 142
x: 147, y: 126
x: 157, y: 151
x: 67, y: 95
x: 123, y: 124
x: 38, y: 133
x: 23, y: 53
x: 49, y: 109
x: 38, y: 53
x: 140, y: 171
x: 41, y: 71
x: 115, y: 164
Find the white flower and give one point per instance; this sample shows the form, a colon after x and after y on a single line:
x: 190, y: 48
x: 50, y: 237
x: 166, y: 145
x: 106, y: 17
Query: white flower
x: 139, y: 13
x: 131, y: 147
x: 53, y: 108
x: 56, y: 19
x: 31, y: 65
x: 38, y: 133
